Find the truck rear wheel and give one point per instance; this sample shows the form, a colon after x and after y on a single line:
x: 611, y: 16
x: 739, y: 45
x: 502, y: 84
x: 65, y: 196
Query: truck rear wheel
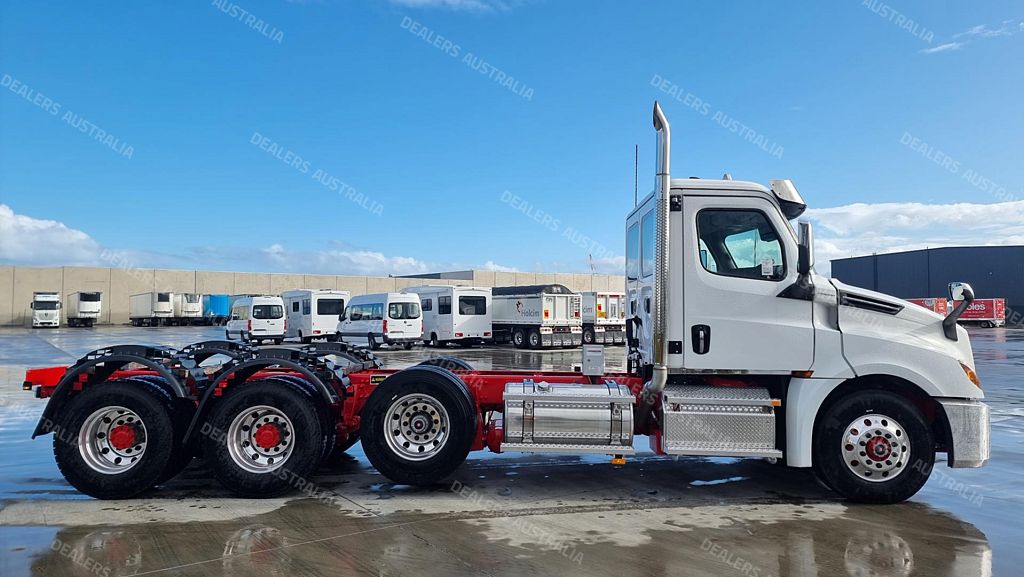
x: 519, y: 338
x: 115, y: 439
x: 263, y: 439
x: 418, y: 425
x: 588, y: 336
x: 533, y: 339
x: 873, y: 447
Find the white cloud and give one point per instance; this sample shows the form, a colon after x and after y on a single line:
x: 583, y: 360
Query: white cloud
x: 491, y: 265
x: 863, y: 229
x: 32, y: 241
x: 943, y: 48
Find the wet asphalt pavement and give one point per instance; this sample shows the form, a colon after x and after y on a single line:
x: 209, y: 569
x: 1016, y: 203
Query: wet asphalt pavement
x: 507, y: 514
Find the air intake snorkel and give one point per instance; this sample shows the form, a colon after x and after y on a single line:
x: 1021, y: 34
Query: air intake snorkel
x: 962, y: 294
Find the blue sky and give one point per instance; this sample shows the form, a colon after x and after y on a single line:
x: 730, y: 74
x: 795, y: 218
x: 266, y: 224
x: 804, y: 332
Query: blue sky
x: 347, y: 137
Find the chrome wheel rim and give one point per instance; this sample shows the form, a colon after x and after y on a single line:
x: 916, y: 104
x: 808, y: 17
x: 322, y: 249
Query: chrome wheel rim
x: 416, y: 427
x: 260, y: 439
x: 876, y: 448
x: 112, y: 440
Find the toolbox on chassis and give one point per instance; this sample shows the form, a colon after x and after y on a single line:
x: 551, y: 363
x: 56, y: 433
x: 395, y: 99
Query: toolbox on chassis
x: 736, y: 348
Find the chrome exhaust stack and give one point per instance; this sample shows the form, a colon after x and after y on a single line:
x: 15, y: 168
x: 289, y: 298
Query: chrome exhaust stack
x: 659, y: 343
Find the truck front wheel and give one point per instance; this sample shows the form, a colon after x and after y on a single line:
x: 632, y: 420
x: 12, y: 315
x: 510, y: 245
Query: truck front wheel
x: 418, y: 426
x: 115, y: 439
x: 873, y: 447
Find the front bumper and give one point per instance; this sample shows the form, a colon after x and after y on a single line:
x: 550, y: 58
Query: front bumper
x: 969, y: 432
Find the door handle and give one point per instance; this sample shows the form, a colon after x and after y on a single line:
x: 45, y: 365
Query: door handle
x: 700, y: 338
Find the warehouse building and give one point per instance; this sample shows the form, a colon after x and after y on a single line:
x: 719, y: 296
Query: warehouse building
x: 993, y: 272
x: 17, y: 283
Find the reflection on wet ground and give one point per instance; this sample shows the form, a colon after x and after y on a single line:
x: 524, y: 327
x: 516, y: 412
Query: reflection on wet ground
x: 508, y: 514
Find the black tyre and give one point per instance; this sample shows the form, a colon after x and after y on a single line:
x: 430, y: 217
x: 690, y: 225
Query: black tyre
x: 115, y: 439
x: 328, y: 419
x: 450, y: 363
x: 227, y: 335
x: 418, y: 425
x: 372, y: 343
x: 278, y: 341
x: 433, y: 340
x: 407, y: 346
x: 588, y: 336
x: 519, y: 338
x: 533, y: 339
x: 181, y: 412
x: 873, y: 447
x: 263, y: 439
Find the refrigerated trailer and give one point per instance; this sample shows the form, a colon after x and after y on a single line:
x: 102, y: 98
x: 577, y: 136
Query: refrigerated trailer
x: 604, y: 318
x: 188, y: 308
x: 150, y: 309
x: 45, y: 309
x: 537, y: 316
x: 454, y: 314
x: 84, y: 308
x: 736, y: 347
x: 314, y: 313
x: 985, y: 313
x: 936, y: 305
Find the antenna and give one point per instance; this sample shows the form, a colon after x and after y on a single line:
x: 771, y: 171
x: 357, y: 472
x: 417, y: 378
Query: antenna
x: 592, y: 271
x: 636, y: 160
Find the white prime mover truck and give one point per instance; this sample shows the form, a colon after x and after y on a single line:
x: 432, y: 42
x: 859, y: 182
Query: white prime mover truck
x: 84, y: 308
x: 45, y: 309
x: 454, y: 314
x: 604, y: 318
x: 537, y: 316
x: 736, y: 347
x: 151, y: 309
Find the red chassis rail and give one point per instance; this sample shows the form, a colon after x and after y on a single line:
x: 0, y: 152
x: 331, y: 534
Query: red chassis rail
x: 487, y: 388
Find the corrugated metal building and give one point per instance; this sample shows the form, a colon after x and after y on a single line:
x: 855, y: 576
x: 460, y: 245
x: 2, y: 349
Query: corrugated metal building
x: 993, y: 271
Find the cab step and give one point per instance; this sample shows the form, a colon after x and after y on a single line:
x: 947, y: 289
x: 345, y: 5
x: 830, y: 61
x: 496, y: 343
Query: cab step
x: 718, y: 421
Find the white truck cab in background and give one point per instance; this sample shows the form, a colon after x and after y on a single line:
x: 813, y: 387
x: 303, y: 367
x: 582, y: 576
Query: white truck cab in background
x: 454, y: 314
x: 45, y: 308
x: 604, y: 318
x: 314, y: 313
x: 84, y: 308
x: 726, y: 313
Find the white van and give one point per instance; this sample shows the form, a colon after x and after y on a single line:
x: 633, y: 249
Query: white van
x: 454, y: 314
x: 313, y: 313
x: 257, y: 318
x: 382, y: 319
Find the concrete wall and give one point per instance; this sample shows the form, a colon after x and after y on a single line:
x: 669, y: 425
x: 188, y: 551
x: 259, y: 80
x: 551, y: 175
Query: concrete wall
x: 117, y: 284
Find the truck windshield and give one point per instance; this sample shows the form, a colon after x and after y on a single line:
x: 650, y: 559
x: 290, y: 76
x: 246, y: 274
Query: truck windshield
x: 46, y: 305
x: 472, y: 305
x: 89, y: 297
x: 267, y: 311
x: 399, y: 311
x: 330, y: 306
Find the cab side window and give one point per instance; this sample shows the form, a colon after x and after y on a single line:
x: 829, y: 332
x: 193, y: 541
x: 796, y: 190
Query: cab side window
x: 633, y: 252
x: 740, y: 243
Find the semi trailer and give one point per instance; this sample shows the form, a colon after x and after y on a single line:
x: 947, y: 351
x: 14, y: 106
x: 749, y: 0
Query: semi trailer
x: 936, y: 305
x: 45, y: 308
x: 604, y: 318
x: 150, y: 309
x: 188, y: 309
x: 985, y: 313
x: 744, y: 352
x: 84, y: 308
x: 537, y: 316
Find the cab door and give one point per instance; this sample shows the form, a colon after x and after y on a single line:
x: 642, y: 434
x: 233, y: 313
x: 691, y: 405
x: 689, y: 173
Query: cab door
x: 739, y: 254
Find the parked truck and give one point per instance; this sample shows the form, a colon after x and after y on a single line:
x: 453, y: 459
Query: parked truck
x: 537, y: 316
x: 454, y: 314
x: 216, y: 309
x: 84, y: 308
x: 745, y: 353
x: 151, y: 309
x: 45, y: 308
x: 188, y: 309
x: 604, y: 318
x: 936, y: 305
x: 985, y: 313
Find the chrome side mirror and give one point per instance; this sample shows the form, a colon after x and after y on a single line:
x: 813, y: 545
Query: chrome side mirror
x: 960, y: 291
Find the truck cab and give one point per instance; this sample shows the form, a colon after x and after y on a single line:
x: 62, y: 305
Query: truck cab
x: 45, y: 308
x: 722, y: 289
